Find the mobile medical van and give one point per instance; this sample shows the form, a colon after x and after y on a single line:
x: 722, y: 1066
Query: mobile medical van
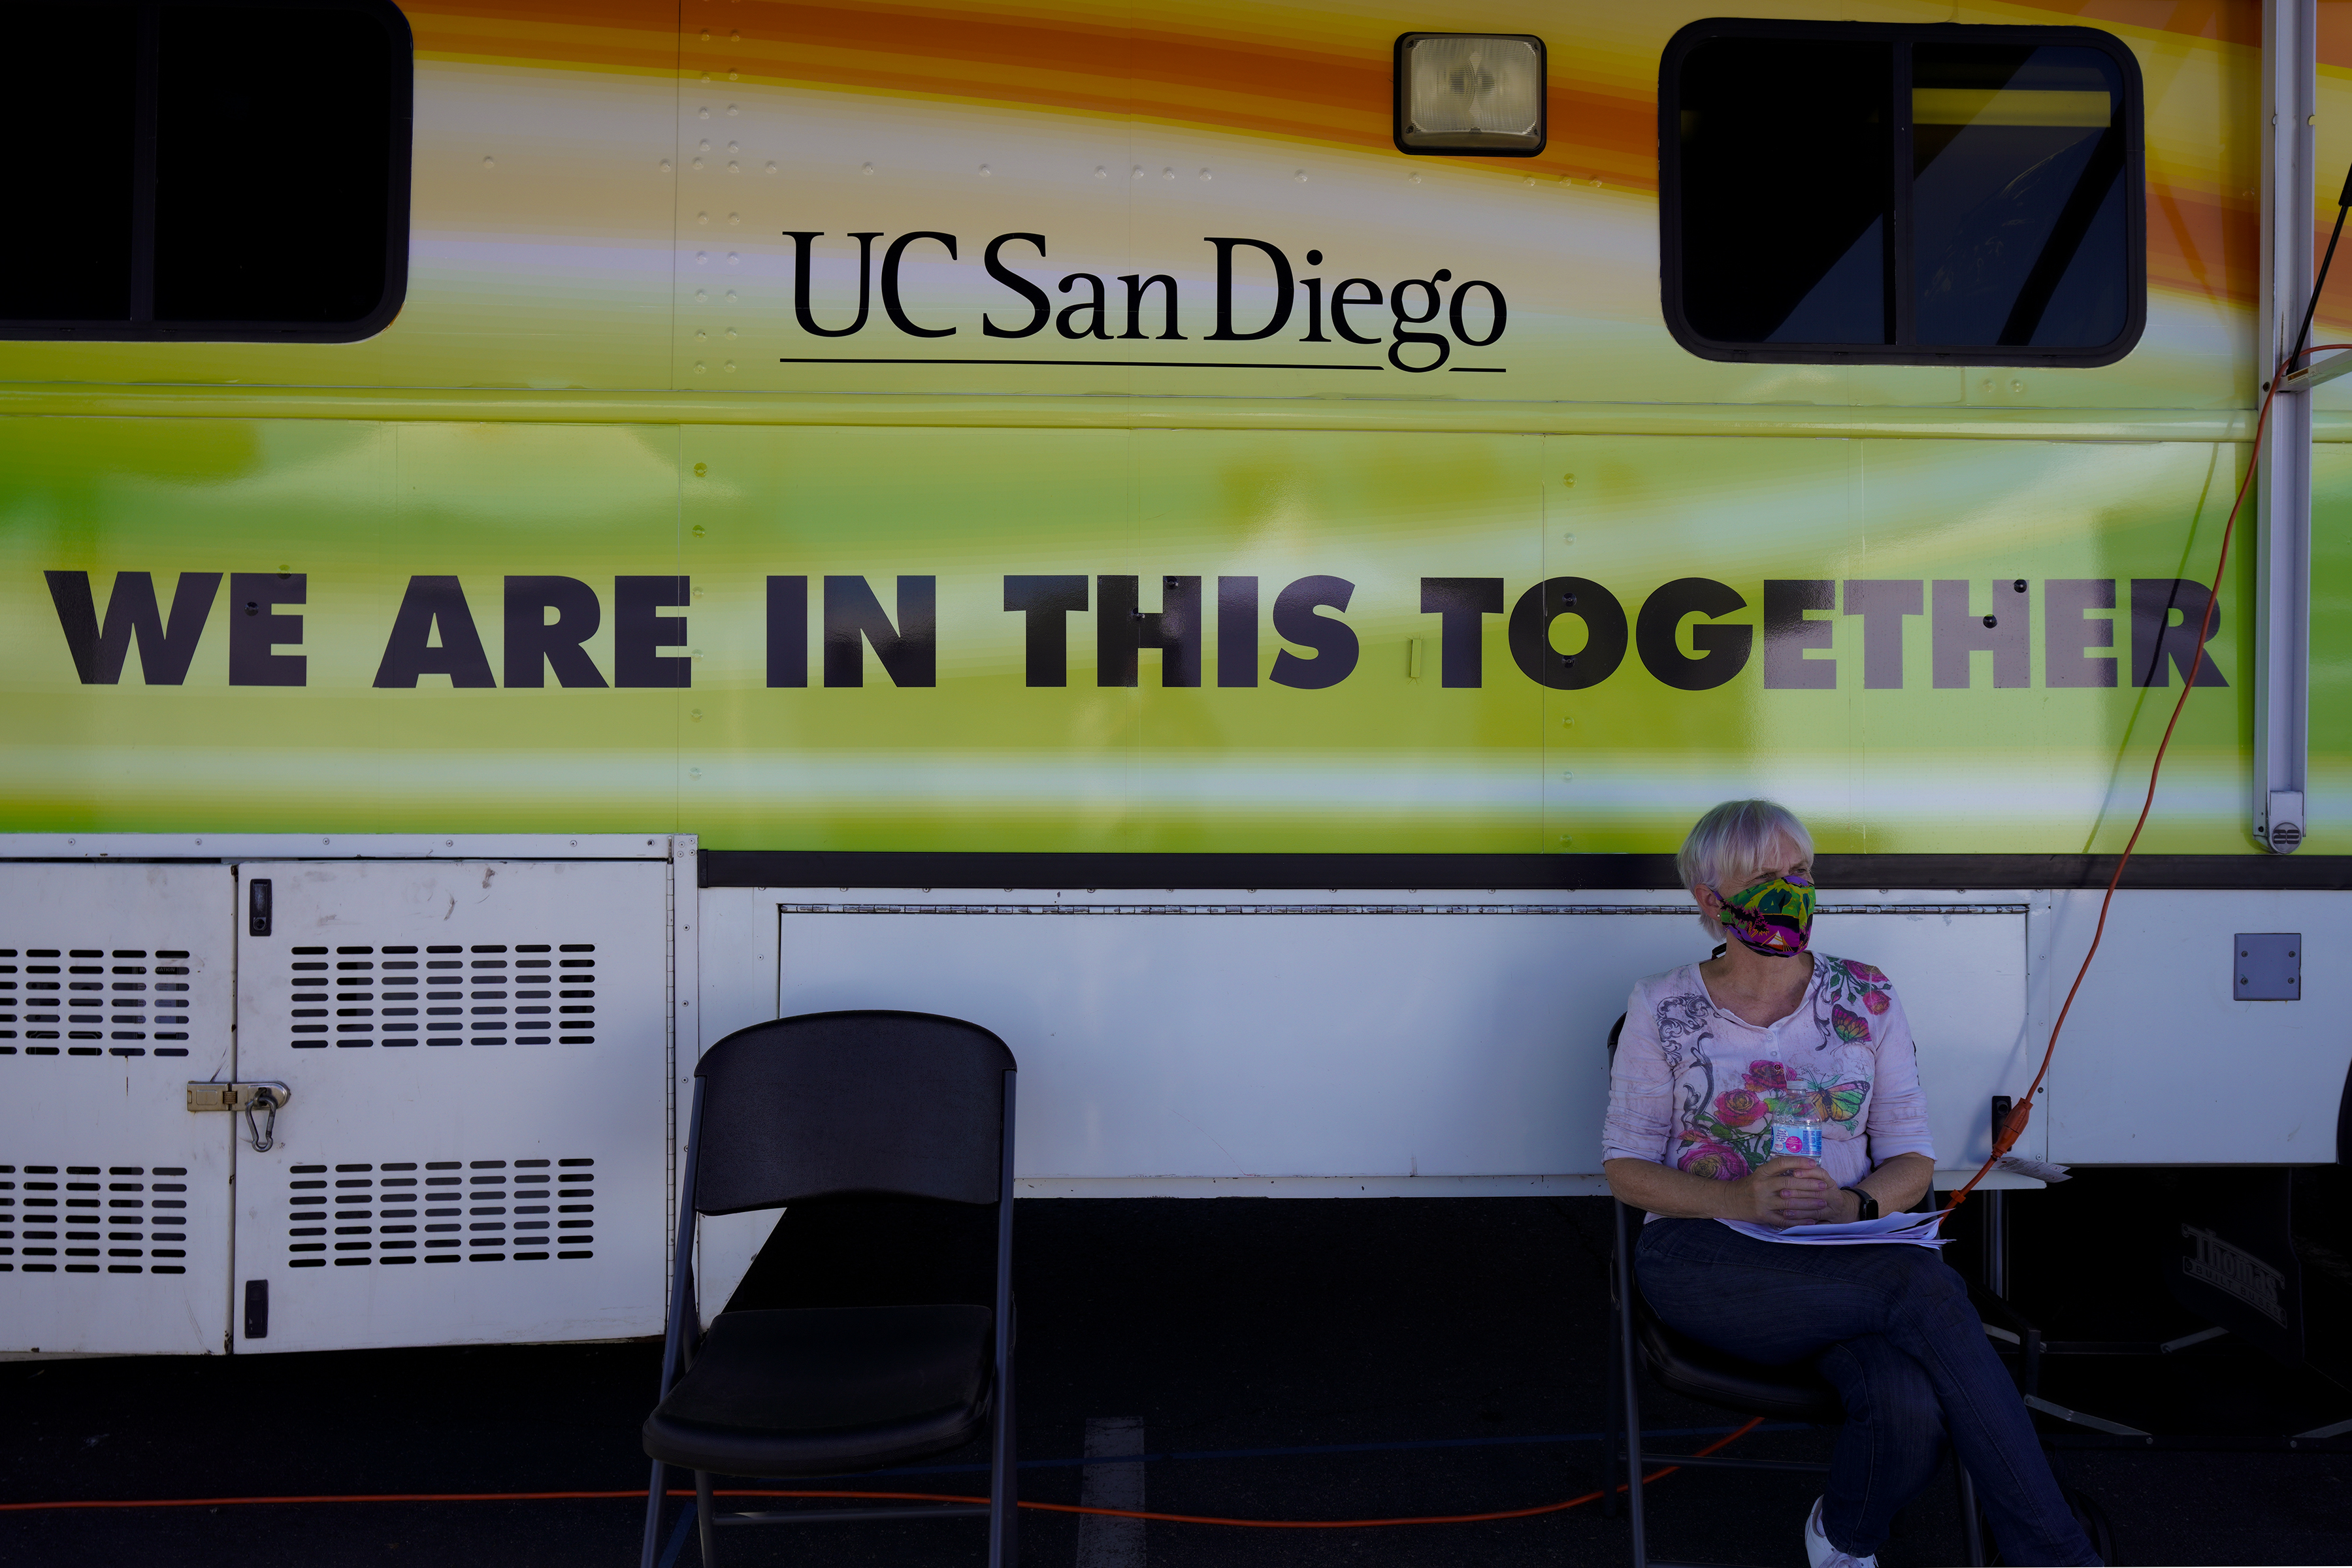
x: 533, y: 535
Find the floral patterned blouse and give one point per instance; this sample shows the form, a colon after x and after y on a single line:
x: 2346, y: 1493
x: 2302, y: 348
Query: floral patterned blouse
x: 1693, y: 1085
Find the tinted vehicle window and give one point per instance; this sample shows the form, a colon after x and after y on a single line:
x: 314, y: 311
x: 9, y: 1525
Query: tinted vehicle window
x: 206, y: 171
x: 1912, y: 194
x: 66, y: 251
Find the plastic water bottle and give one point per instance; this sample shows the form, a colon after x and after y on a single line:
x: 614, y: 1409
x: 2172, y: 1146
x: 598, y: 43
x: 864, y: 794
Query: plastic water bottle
x: 1795, y: 1133
x: 1795, y: 1129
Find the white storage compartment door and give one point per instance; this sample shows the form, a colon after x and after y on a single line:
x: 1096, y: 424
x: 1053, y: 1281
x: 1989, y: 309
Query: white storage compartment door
x: 1960, y: 970
x: 1379, y: 1038
x: 114, y: 1200
x: 474, y: 1151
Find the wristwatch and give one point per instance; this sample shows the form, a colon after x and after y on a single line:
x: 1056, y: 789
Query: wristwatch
x: 1869, y: 1204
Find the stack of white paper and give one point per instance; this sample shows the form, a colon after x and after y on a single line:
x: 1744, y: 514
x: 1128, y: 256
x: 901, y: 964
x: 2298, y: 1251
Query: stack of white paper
x: 1918, y: 1229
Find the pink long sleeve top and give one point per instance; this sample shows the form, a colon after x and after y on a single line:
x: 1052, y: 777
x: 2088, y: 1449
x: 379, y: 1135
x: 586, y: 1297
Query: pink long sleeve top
x: 1689, y: 1084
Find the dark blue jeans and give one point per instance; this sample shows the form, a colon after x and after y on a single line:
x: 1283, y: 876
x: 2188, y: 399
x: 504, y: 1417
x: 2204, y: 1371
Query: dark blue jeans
x: 1892, y: 1328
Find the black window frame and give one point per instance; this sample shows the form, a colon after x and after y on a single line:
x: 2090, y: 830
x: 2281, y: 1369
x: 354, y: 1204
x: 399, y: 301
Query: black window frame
x: 1401, y: 87
x: 143, y: 326
x: 2135, y: 177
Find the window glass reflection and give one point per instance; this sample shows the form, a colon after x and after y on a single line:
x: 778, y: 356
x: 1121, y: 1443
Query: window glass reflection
x: 2018, y: 220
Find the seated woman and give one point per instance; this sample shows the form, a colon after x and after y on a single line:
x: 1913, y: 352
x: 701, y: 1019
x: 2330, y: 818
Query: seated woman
x: 1711, y: 1054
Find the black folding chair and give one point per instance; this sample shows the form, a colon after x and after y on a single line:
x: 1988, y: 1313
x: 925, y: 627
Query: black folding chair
x: 841, y: 1105
x: 1684, y: 1365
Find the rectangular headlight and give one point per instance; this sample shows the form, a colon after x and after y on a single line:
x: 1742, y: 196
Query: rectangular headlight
x: 1470, y: 92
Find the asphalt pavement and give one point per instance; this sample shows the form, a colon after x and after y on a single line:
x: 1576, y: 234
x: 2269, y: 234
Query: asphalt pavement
x: 1275, y: 1360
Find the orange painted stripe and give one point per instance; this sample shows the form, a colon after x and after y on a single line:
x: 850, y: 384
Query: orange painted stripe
x: 1258, y: 73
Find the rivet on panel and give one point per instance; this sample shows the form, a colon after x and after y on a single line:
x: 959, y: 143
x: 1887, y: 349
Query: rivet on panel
x: 697, y: 163
x: 732, y: 112
x: 731, y: 364
x: 703, y: 114
x: 696, y: 715
x: 730, y: 335
x: 1413, y: 179
x: 700, y: 469
x: 732, y: 259
x: 489, y: 164
x: 772, y: 169
x: 700, y: 336
x: 1300, y: 176
x: 864, y: 169
x: 701, y: 294
x: 702, y: 259
x: 696, y: 530
x: 733, y: 167
x: 731, y: 296
x: 733, y: 219
x: 1204, y: 175
x: 702, y: 218
x: 665, y: 166
x: 699, y: 367
x: 1101, y: 173
x: 1167, y: 173
x: 983, y: 168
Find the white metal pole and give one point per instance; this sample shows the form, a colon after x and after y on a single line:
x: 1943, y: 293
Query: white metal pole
x: 2282, y: 486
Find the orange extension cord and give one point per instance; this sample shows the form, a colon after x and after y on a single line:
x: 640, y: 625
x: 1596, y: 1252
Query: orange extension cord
x: 1719, y: 1444
x: 2013, y: 1125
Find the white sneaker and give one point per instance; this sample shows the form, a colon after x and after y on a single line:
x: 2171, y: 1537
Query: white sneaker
x: 1821, y: 1553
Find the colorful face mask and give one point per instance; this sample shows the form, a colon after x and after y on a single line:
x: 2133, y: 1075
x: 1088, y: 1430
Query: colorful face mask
x: 1775, y: 917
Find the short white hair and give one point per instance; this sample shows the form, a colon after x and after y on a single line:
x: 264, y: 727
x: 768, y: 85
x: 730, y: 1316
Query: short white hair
x: 1737, y: 838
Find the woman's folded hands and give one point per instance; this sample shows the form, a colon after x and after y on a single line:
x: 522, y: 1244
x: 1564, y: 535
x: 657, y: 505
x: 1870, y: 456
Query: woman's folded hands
x: 1789, y: 1189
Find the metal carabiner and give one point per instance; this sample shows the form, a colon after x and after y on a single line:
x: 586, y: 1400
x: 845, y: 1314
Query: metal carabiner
x: 264, y: 1134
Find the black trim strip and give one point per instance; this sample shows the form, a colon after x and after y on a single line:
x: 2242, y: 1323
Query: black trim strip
x: 1619, y: 873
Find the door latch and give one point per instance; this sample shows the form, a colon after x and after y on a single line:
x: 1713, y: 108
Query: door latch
x: 259, y: 1102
